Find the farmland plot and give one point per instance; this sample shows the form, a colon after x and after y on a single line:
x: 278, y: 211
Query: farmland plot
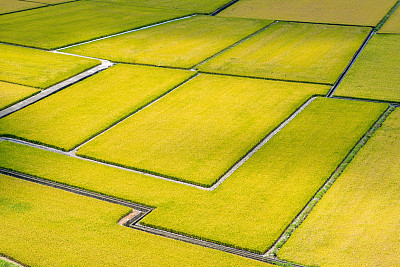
x: 366, y: 12
x: 392, y: 25
x: 203, y: 6
x: 7, y: 6
x: 11, y: 93
x: 356, y: 223
x: 292, y: 51
x: 37, y: 68
x: 201, y: 129
x: 73, y: 230
x: 280, y: 178
x: 181, y: 43
x: 60, y: 25
x: 90, y: 106
x: 375, y: 74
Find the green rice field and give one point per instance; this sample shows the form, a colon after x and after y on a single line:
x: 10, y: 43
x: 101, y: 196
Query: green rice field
x: 292, y: 51
x: 375, y: 73
x: 203, y: 6
x: 393, y: 23
x: 11, y: 93
x: 80, y: 231
x: 36, y: 68
x: 244, y: 133
x: 90, y: 106
x: 8, y: 6
x: 188, y: 135
x: 366, y: 12
x: 359, y: 215
x: 181, y: 43
x: 76, y: 22
x: 226, y: 215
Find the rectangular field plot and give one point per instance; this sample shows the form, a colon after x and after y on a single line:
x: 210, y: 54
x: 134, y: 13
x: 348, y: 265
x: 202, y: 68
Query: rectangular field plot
x: 357, y: 222
x: 203, y: 6
x: 65, y: 229
x: 375, y: 74
x: 38, y: 68
x: 60, y: 25
x: 197, y: 132
x: 292, y: 51
x: 11, y: 93
x: 91, y: 105
x: 181, y: 43
x: 253, y: 206
x: 366, y: 12
x: 7, y: 6
x: 392, y: 25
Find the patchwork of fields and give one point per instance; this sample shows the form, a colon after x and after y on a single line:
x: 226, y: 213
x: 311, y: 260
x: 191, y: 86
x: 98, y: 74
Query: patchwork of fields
x: 210, y: 133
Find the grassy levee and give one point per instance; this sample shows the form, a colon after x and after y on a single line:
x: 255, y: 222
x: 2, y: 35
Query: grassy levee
x: 292, y: 51
x: 43, y: 226
x: 90, y: 106
x: 61, y: 25
x: 200, y: 130
x: 8, y: 6
x: 11, y: 93
x: 356, y: 223
x: 392, y: 25
x: 366, y: 12
x: 204, y: 6
x: 35, y: 68
x: 181, y: 43
x: 375, y: 73
x: 5, y: 263
x: 250, y: 209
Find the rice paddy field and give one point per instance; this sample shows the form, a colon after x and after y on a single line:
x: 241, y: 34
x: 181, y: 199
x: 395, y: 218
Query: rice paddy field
x: 8, y: 6
x: 77, y: 21
x: 359, y: 215
x: 182, y: 43
x: 36, y: 68
x: 91, y: 106
x: 375, y: 73
x: 62, y: 223
x: 366, y: 12
x: 292, y: 51
x: 199, y: 133
x: 393, y: 24
x: 11, y: 93
x: 225, y: 215
x: 192, y: 141
x: 204, y: 6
